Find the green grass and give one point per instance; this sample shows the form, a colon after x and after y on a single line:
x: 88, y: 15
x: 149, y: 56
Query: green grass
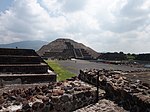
x: 63, y: 74
x: 130, y: 57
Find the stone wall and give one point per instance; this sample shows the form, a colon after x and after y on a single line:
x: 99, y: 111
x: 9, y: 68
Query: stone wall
x: 132, y: 96
x: 64, y: 96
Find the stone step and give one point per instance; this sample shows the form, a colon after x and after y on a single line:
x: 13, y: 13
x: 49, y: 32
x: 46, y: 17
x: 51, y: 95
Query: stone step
x: 24, y: 68
x: 4, y: 59
x: 20, y: 52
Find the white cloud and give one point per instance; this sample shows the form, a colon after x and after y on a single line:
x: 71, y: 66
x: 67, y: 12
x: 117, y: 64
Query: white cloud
x: 104, y: 25
x: 73, y: 5
x: 28, y: 20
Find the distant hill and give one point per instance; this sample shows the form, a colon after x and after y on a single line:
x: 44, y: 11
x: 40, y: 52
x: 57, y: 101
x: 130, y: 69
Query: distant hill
x: 67, y: 48
x: 35, y: 44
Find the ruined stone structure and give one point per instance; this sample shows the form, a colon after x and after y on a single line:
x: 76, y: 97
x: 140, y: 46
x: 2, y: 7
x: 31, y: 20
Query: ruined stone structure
x: 64, y: 96
x: 132, y: 96
x: 66, y: 49
x: 117, y: 94
x: 24, y: 64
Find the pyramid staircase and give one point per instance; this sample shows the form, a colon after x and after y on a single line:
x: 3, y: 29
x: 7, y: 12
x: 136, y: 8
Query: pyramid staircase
x: 78, y: 53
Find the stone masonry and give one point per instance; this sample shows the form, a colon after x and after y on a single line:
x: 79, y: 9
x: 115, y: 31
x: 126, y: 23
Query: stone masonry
x: 64, y: 96
x: 132, y: 96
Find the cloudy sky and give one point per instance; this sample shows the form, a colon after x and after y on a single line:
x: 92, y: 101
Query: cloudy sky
x: 104, y: 25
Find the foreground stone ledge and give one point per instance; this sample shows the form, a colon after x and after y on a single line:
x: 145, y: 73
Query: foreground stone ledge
x: 103, y: 105
x: 64, y: 96
x: 132, y: 96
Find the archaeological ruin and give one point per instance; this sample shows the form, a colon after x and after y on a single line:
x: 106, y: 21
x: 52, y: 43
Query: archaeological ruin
x: 24, y: 66
x: 132, y: 95
x: 115, y: 93
x: 64, y: 96
x: 93, y: 90
x: 66, y: 49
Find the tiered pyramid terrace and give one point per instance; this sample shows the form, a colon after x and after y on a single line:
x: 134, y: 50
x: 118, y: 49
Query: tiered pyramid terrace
x: 24, y: 64
x: 69, y: 52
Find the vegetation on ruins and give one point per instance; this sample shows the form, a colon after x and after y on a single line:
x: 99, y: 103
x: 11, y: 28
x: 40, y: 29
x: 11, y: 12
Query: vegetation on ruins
x: 63, y: 74
x: 130, y: 56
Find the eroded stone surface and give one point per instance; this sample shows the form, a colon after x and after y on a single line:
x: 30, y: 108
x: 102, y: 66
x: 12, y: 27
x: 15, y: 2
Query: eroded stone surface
x: 102, y: 106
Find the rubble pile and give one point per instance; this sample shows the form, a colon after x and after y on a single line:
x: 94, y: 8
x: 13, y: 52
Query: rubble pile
x: 132, y: 96
x: 56, y: 96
